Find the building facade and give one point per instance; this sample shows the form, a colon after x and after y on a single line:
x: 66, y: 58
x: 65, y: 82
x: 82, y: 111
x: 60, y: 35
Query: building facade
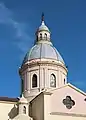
x: 45, y: 92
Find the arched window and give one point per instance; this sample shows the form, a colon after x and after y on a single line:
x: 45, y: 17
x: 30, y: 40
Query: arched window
x: 64, y: 80
x: 52, y: 80
x: 34, y: 81
x: 24, y: 110
x: 45, y: 36
x: 37, y: 37
x: 40, y: 35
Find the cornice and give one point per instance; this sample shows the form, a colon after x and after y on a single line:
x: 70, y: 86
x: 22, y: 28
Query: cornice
x: 41, y: 63
x: 23, y: 68
x: 68, y: 114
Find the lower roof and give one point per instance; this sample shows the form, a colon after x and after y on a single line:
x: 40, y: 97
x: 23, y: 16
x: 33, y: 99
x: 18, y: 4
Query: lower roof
x: 9, y: 99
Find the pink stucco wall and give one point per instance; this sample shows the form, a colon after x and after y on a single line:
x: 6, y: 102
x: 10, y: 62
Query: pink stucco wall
x: 56, y: 104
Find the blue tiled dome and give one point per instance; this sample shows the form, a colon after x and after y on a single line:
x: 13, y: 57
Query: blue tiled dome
x: 43, y: 47
x: 43, y: 50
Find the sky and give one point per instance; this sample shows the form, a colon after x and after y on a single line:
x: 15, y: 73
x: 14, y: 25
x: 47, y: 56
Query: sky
x: 19, y: 19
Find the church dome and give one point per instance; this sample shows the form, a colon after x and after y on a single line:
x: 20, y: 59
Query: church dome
x: 43, y: 50
x: 43, y: 47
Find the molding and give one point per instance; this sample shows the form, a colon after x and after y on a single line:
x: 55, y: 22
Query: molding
x: 7, y: 102
x: 23, y: 103
x: 53, y: 69
x: 68, y: 114
x: 47, y: 42
x: 72, y: 86
x: 62, y: 72
x: 23, y: 68
x: 41, y: 63
x: 32, y: 70
x: 57, y: 70
x: 77, y: 89
x: 47, y: 93
x: 44, y: 30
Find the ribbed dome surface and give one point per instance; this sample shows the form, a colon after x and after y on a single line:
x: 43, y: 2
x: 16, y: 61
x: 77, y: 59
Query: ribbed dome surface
x: 43, y: 50
x: 43, y: 47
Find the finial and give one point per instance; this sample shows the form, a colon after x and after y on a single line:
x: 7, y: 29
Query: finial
x: 42, y: 16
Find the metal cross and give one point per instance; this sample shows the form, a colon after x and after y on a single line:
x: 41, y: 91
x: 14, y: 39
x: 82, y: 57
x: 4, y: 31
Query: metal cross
x: 42, y: 16
x: 68, y: 102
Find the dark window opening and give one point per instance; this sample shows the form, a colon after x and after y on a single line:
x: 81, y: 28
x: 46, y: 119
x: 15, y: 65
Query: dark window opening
x: 45, y: 36
x: 37, y: 37
x: 24, y: 110
x: 64, y: 80
x: 34, y: 81
x: 40, y: 35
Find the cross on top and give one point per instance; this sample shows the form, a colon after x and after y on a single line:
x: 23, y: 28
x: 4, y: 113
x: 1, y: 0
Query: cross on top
x: 68, y: 102
x: 42, y: 17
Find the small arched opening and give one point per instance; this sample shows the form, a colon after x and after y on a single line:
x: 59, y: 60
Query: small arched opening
x: 52, y: 80
x: 64, y: 80
x: 40, y: 35
x: 34, y: 81
x: 45, y: 36
x: 24, y: 110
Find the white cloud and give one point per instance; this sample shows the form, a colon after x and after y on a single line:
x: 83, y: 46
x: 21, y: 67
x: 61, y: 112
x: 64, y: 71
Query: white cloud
x: 4, y: 14
x: 22, y: 39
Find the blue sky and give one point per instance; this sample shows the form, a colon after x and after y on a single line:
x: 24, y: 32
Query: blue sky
x: 19, y: 20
